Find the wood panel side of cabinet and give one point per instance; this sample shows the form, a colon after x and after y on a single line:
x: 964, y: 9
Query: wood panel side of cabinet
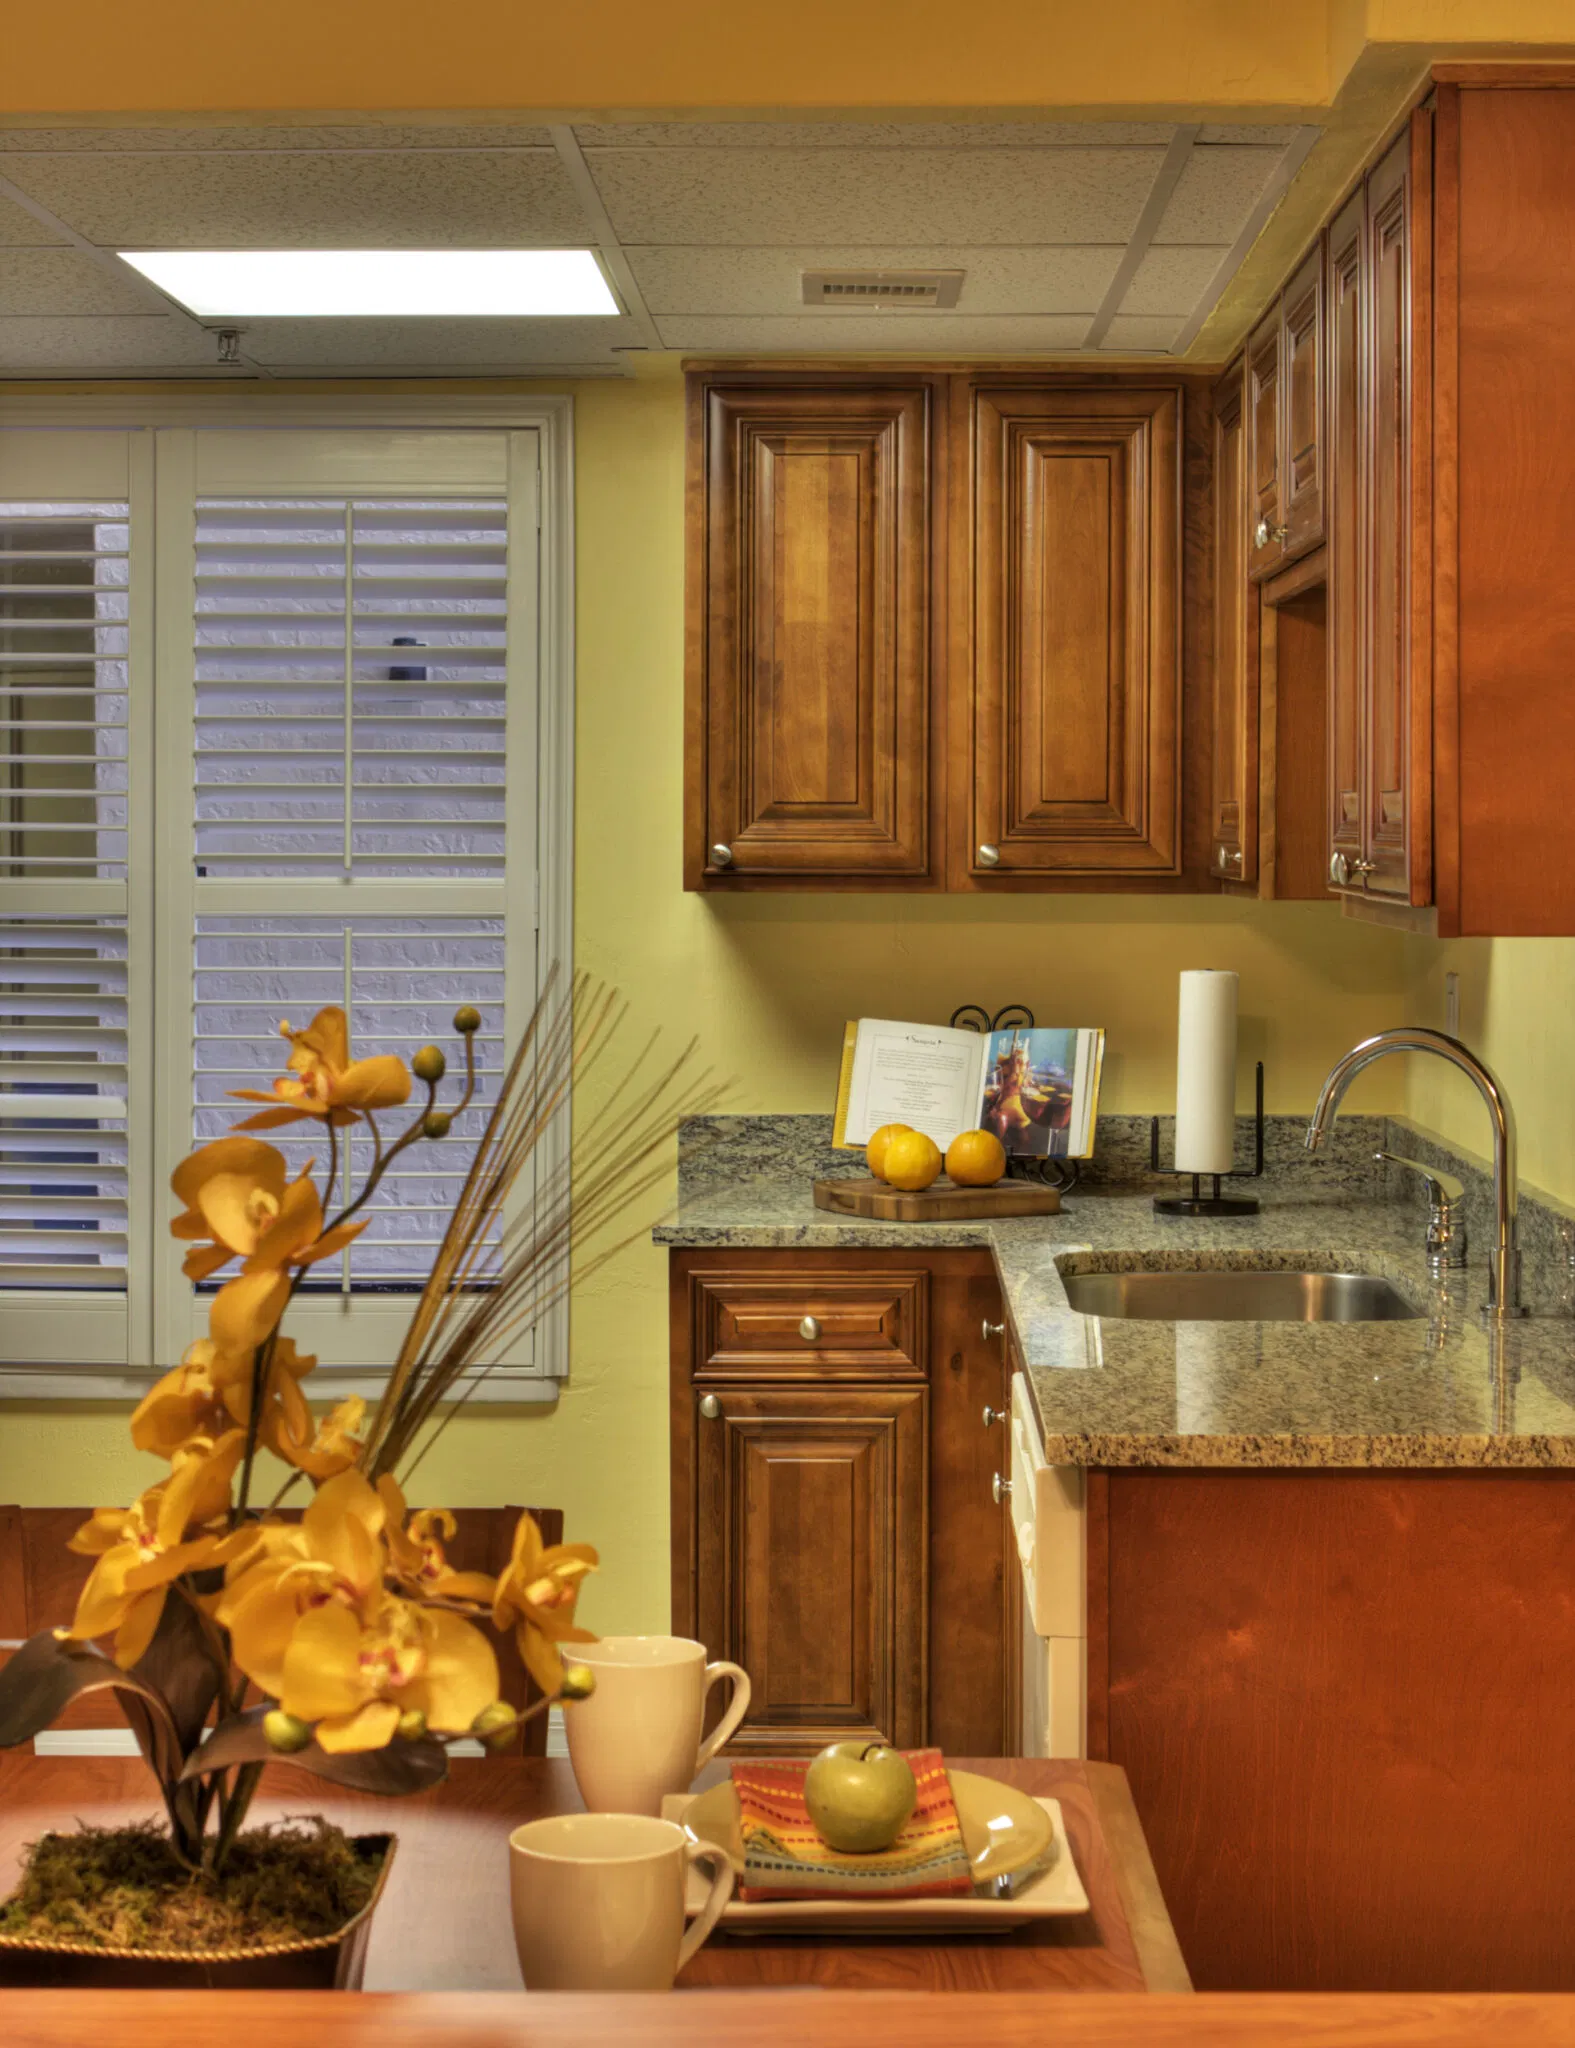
x: 1346, y: 296
x: 813, y: 633
x: 1342, y: 1701
x: 1302, y: 405
x: 1505, y: 410
x: 1265, y: 446
x: 1293, y: 672
x: 1236, y: 755
x: 1066, y: 674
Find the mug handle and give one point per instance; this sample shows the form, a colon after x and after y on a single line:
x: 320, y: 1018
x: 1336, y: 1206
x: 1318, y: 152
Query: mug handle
x: 737, y: 1708
x: 706, y: 1853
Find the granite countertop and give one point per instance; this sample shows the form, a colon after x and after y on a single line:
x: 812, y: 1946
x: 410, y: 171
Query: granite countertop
x: 1443, y: 1390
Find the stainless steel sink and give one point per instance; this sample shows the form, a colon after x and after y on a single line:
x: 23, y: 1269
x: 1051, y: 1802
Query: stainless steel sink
x: 1239, y: 1297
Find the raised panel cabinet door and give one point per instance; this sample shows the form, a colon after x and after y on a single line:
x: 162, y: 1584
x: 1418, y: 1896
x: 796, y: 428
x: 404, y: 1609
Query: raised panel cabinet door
x: 1302, y: 406
x: 1388, y: 793
x: 813, y: 638
x: 1076, y: 681
x: 811, y: 1559
x: 1233, y: 852
x: 1347, y: 517
x: 1265, y: 436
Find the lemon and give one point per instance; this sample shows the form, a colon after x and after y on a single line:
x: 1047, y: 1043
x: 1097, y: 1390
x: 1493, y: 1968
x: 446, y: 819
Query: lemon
x: 912, y: 1160
x: 976, y: 1159
x: 875, y: 1150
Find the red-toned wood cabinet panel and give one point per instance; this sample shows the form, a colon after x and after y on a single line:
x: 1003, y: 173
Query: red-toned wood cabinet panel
x: 1347, y: 514
x: 1073, y: 656
x: 1302, y: 406
x: 1265, y: 438
x: 809, y: 747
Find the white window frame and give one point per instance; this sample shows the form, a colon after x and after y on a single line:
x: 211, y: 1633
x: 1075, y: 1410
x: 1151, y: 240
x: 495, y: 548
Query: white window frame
x: 161, y: 427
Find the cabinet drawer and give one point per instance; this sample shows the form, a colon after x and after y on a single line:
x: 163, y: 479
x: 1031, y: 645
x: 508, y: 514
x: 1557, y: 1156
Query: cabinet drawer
x: 842, y: 1325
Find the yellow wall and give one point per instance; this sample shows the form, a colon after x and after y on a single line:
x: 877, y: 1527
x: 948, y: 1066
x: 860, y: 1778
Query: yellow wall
x: 1517, y: 1009
x: 768, y: 983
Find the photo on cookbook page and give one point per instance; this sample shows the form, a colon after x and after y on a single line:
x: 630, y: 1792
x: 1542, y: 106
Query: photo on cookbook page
x: 1031, y: 1088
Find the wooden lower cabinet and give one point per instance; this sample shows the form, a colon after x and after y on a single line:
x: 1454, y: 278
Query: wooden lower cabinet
x: 834, y: 1525
x: 1343, y: 1702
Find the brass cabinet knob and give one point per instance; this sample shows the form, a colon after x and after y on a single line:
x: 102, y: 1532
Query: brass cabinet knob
x: 809, y: 1330
x: 710, y: 1407
x: 989, y: 856
x: 1000, y: 1489
x: 1263, y: 533
x: 993, y: 1415
x: 1363, y: 867
x: 989, y: 1329
x: 722, y: 856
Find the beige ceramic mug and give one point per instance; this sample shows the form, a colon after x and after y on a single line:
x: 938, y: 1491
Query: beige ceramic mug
x: 637, y: 1738
x: 598, y: 1901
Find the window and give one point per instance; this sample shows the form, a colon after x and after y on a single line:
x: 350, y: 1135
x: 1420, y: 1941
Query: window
x: 284, y: 726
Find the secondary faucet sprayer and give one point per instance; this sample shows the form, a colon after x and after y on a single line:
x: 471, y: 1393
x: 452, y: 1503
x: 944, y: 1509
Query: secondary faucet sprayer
x: 1504, y: 1273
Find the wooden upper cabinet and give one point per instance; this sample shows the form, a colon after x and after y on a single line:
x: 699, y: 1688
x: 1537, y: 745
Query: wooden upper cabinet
x: 1265, y: 436
x: 1068, y: 677
x: 811, y: 1561
x: 1393, y: 841
x: 809, y: 743
x: 1347, y: 515
x: 1233, y: 853
x: 1302, y: 406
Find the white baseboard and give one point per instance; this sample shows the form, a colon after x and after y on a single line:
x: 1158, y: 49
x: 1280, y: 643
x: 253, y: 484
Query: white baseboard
x: 121, y: 1741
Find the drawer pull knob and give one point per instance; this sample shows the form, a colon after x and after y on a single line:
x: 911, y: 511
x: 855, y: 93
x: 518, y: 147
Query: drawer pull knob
x: 710, y: 1407
x: 1000, y: 1489
x: 993, y: 1415
x: 989, y: 856
x: 722, y: 855
x: 993, y: 1329
x: 809, y: 1330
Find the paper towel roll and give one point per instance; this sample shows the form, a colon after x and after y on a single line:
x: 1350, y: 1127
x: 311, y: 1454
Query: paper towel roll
x: 1206, y: 1072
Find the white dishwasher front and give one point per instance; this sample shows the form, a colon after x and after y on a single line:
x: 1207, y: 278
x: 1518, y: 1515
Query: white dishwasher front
x: 1050, y: 1526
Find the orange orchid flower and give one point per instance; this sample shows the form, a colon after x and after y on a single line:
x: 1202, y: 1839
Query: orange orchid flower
x: 323, y: 1081
x: 416, y: 1555
x: 537, y: 1595
x: 211, y: 1390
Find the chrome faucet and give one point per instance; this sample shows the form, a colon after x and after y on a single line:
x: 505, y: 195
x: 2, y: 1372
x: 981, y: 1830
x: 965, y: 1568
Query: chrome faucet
x: 1504, y: 1273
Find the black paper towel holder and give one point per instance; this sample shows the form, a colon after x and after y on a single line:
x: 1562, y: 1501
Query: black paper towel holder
x: 1215, y: 1204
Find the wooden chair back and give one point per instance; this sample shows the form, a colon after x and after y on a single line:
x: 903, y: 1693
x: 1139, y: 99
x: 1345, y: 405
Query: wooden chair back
x: 40, y: 1581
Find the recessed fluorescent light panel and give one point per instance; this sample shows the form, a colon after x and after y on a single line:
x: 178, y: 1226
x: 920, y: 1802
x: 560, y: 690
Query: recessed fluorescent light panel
x: 278, y: 284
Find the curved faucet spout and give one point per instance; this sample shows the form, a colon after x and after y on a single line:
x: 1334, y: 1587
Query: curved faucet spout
x: 1504, y: 1275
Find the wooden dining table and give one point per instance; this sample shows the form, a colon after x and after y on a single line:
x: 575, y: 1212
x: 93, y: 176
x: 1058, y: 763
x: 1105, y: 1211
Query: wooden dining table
x: 443, y: 1923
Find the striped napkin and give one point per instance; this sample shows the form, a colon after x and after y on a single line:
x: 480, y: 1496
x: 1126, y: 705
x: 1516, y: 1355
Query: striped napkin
x: 785, y: 1857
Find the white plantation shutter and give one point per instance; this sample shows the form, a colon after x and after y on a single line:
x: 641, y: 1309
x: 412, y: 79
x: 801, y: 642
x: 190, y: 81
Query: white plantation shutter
x: 361, y: 762
x: 73, y: 718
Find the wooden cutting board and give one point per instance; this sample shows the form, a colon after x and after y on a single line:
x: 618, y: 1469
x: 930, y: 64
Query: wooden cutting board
x: 941, y: 1202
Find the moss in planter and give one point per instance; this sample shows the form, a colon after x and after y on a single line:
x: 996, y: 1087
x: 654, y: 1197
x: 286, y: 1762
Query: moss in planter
x: 124, y: 1888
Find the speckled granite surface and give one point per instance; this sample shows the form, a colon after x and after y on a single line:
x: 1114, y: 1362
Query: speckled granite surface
x: 1443, y: 1390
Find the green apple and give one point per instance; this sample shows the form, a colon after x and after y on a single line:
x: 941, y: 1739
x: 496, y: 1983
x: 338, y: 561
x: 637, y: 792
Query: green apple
x: 859, y: 1795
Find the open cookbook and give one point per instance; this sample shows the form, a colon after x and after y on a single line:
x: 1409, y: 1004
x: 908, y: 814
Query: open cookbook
x: 1037, y: 1089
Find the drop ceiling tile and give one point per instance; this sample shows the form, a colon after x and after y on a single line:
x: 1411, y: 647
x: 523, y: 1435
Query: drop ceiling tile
x: 479, y: 199
x: 1172, y: 280
x: 370, y: 134
x: 432, y: 343
x: 814, y: 333
x: 65, y: 281
x: 870, y: 134
x: 1247, y: 133
x: 1217, y: 190
x: 1146, y: 331
x: 155, y: 341
x: 874, y: 196
x: 735, y: 280
x: 19, y: 230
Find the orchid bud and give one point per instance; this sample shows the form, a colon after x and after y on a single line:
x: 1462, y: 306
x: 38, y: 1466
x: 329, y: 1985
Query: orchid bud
x: 429, y: 1065
x: 496, y: 1725
x: 411, y: 1725
x: 285, y: 1732
x: 435, y: 1123
x: 467, y: 1019
x: 579, y: 1682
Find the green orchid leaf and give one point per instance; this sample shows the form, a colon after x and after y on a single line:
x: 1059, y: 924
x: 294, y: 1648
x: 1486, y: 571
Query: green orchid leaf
x: 401, y: 1768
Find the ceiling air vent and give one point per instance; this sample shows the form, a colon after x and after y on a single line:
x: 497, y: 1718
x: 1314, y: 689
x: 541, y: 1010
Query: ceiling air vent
x: 879, y: 288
